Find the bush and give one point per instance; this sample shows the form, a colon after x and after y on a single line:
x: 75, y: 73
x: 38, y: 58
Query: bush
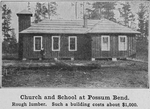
x: 9, y: 47
x: 142, y: 45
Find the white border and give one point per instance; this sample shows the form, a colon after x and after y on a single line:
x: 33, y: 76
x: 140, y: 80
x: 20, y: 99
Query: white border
x: 108, y: 49
x: 142, y: 96
x: 58, y: 44
x: 34, y: 42
x: 119, y: 46
x: 75, y: 43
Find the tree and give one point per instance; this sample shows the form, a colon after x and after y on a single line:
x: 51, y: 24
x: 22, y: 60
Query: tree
x: 42, y: 11
x: 13, y: 42
x: 6, y: 17
x: 52, y: 6
x: 102, y: 9
x: 126, y: 13
x: 146, y: 28
x: 143, y: 20
x: 9, y: 45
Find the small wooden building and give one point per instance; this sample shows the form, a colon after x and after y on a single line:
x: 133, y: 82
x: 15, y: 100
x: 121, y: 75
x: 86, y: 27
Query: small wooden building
x: 75, y: 39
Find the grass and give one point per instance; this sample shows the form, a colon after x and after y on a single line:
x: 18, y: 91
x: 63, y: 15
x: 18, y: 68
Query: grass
x: 128, y: 75
x: 142, y: 49
x: 8, y: 56
x: 124, y: 74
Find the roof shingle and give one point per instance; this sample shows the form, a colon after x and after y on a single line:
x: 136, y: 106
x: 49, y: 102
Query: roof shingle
x: 76, y: 27
x: 25, y: 12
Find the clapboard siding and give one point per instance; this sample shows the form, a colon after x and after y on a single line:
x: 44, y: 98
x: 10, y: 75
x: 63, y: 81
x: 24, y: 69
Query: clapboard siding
x: 24, y: 22
x: 96, y: 47
x: 20, y: 51
x: 64, y: 51
x: 88, y: 46
x: 114, y: 47
x: 28, y: 47
x: 83, y: 47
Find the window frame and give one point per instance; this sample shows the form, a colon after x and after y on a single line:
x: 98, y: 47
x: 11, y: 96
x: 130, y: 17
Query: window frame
x: 34, y: 42
x: 108, y: 48
x: 75, y: 43
x: 119, y: 43
x: 53, y: 43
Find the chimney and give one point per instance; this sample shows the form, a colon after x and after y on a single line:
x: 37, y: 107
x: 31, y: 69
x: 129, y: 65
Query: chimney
x: 24, y: 19
x: 85, y: 21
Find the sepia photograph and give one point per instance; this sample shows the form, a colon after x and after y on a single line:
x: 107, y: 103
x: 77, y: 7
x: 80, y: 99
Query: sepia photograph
x: 75, y: 44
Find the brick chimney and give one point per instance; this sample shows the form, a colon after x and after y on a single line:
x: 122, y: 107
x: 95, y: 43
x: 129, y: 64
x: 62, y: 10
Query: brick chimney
x: 85, y: 21
x: 24, y: 19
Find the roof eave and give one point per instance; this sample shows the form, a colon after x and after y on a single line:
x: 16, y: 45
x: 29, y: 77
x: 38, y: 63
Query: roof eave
x: 114, y: 32
x: 50, y: 33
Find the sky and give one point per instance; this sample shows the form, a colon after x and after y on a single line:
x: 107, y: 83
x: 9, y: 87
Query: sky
x: 65, y: 10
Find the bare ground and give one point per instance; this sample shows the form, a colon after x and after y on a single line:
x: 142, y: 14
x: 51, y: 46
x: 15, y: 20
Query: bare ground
x: 120, y: 74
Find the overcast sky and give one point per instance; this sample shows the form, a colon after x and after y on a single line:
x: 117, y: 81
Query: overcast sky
x: 65, y: 10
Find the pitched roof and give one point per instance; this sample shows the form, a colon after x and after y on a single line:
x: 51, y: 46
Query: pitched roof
x: 107, y: 26
x: 76, y: 27
x: 25, y: 12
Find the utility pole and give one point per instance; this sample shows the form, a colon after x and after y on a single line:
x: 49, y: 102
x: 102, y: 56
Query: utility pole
x: 28, y: 6
x: 48, y: 10
x: 75, y: 9
x: 83, y: 8
x: 76, y: 13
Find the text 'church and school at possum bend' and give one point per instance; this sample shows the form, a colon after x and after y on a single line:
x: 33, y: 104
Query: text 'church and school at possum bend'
x: 75, y: 97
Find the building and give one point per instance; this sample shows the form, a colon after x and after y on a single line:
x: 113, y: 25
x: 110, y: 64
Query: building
x: 75, y: 39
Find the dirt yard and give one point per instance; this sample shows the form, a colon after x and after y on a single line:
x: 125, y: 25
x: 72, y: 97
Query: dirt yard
x: 120, y: 74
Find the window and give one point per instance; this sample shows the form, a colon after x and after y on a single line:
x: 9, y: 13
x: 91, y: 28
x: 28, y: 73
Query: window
x: 55, y: 43
x: 72, y: 43
x: 37, y: 43
x: 105, y: 43
x: 122, y: 43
